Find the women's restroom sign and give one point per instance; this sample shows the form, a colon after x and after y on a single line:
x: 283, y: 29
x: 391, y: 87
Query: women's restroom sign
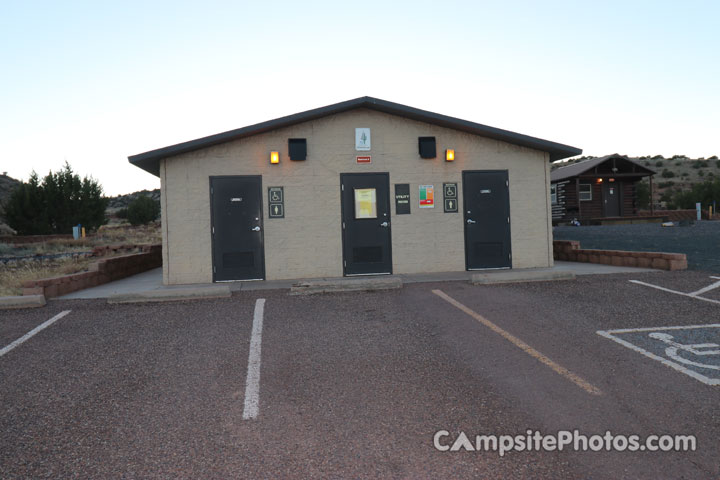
x: 276, y: 202
x: 427, y: 196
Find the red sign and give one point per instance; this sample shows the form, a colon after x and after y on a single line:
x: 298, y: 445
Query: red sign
x: 365, y: 159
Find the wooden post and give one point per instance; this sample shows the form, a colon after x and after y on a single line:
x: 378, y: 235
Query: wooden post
x: 652, y: 207
x: 577, y: 197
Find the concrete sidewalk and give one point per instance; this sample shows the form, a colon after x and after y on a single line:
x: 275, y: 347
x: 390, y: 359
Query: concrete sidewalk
x: 152, y: 280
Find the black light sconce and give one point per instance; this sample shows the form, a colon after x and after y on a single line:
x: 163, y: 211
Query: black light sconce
x: 297, y: 148
x: 426, y: 146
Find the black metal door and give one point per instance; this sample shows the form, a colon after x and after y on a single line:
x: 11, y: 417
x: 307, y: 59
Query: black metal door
x: 237, y: 223
x: 487, y: 219
x: 611, y: 199
x: 366, y: 223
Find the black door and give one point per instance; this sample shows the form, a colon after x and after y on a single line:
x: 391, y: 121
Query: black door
x: 366, y: 223
x: 237, y: 236
x: 487, y: 219
x: 611, y: 199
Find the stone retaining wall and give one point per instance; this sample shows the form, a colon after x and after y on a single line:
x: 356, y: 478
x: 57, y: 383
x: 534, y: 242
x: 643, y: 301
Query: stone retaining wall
x: 676, y: 215
x: 569, y: 250
x: 23, y: 239
x: 101, y: 272
x: 106, y: 250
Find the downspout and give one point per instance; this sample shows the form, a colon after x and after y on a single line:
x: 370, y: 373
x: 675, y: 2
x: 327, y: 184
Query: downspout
x: 164, y: 219
x: 548, y: 212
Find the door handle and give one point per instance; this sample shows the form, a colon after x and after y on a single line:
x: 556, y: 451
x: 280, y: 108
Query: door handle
x: 384, y: 224
x: 256, y: 229
x: 471, y: 221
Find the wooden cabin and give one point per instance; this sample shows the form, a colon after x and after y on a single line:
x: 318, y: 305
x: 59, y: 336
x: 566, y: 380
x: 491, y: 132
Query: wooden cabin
x: 596, y: 189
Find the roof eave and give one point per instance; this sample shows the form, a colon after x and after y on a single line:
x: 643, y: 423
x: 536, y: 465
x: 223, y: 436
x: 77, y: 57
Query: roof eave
x: 149, y: 161
x: 599, y: 161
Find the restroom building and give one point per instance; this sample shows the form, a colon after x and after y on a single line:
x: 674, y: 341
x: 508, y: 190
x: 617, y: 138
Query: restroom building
x: 362, y: 187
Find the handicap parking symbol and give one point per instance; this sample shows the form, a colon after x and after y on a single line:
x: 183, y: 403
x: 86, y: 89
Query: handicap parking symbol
x: 693, y: 350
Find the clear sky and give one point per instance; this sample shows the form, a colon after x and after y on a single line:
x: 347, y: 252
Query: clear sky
x: 94, y: 82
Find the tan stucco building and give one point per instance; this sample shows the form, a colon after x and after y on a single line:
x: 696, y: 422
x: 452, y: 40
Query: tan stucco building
x: 360, y: 187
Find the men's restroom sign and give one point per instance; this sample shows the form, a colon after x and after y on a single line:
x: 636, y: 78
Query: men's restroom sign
x: 276, y: 202
x: 693, y: 350
x: 450, y: 199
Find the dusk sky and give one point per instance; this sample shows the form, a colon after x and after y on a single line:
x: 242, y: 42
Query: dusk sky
x: 95, y: 82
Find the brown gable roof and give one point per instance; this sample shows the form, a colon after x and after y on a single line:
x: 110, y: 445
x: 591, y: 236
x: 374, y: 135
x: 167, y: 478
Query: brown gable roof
x: 579, y: 168
x: 149, y: 161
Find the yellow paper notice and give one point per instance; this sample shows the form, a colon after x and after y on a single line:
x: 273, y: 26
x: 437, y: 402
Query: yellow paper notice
x: 365, y: 203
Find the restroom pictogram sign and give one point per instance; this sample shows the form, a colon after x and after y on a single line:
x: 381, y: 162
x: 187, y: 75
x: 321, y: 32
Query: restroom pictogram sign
x: 276, y: 202
x: 450, y: 200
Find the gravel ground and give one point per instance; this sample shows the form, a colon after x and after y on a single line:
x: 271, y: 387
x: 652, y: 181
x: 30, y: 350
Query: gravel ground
x: 352, y: 385
x: 700, y: 242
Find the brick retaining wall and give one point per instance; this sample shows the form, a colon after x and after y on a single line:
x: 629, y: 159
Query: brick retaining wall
x: 569, y: 250
x: 101, y: 272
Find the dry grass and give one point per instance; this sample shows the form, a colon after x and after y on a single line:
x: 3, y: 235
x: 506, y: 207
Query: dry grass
x: 107, y: 235
x: 12, y: 277
x: 140, y: 235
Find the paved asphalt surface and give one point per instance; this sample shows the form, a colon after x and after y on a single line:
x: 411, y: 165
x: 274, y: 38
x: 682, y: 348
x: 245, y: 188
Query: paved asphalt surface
x: 353, y: 385
x: 699, y: 241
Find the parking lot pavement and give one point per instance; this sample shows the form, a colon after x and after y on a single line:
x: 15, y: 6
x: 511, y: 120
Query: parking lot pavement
x: 16, y: 323
x: 357, y: 384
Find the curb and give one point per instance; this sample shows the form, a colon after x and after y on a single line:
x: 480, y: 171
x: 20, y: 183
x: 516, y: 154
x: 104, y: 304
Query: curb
x: 517, y: 276
x: 172, y: 294
x: 24, y: 301
x: 362, y: 284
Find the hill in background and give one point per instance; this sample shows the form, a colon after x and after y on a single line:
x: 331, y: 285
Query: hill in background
x: 7, y: 185
x: 122, y: 201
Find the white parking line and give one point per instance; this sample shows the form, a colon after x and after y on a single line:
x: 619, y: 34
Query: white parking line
x: 680, y: 368
x: 252, y: 384
x: 33, y: 332
x: 689, y: 295
x: 655, y: 329
x: 706, y: 289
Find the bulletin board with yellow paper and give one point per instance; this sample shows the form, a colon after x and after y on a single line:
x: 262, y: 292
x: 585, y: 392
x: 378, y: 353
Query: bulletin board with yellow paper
x: 365, y: 203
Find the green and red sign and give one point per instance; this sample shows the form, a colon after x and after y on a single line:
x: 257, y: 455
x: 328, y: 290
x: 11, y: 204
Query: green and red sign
x: 427, y: 196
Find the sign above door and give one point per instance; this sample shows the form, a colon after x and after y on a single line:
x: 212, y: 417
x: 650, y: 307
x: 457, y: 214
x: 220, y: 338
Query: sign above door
x: 362, y: 139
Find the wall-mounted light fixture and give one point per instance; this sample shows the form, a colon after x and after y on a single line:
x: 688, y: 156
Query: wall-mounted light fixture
x: 611, y: 180
x: 449, y: 155
x: 274, y: 157
x: 599, y: 180
x: 426, y: 147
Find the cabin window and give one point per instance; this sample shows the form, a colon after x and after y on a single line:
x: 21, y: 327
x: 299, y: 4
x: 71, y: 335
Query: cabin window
x: 553, y: 193
x: 585, y: 192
